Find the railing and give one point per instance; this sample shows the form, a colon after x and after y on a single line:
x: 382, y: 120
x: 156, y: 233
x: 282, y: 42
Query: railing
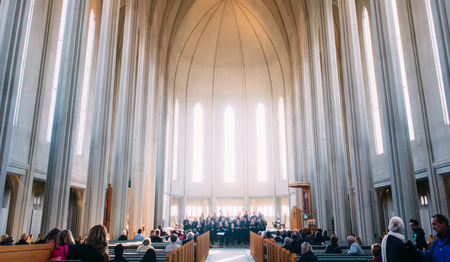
x: 276, y: 253
x: 256, y: 247
x: 202, y: 248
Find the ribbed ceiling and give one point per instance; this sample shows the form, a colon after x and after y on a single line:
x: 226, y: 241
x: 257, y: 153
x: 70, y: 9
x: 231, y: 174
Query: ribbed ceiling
x: 228, y: 50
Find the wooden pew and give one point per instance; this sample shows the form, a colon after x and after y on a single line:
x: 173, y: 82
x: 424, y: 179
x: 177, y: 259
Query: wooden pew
x: 275, y: 253
x: 27, y: 253
x: 257, y: 247
x: 202, y: 247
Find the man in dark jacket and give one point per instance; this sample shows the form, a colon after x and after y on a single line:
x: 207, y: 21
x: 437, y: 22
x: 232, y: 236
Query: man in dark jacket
x: 419, y: 235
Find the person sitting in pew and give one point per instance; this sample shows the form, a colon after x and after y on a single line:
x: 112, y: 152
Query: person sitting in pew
x: 173, y: 244
x: 118, y: 254
x: 146, y: 245
x: 334, y: 246
x: 150, y: 256
x: 156, y: 238
x: 355, y: 248
x: 123, y: 236
x: 307, y: 254
x: 64, y: 242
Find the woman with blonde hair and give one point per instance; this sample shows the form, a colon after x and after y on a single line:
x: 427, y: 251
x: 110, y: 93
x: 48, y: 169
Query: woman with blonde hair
x: 146, y: 245
x: 63, y: 241
x: 94, y: 249
x: 307, y: 254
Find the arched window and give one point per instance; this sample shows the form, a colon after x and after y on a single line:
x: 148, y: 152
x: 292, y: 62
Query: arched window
x: 22, y: 63
x: 261, y: 143
x: 86, y: 83
x: 198, y: 137
x: 376, y: 120
x: 403, y: 71
x: 56, y: 71
x: 437, y: 63
x: 282, y: 138
x: 176, y: 117
x: 229, y: 145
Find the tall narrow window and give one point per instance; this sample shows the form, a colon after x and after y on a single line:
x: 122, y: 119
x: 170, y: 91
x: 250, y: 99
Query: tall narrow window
x: 22, y: 63
x: 197, y: 172
x: 261, y: 143
x: 176, y: 117
x: 376, y: 120
x: 56, y: 71
x: 282, y: 136
x: 229, y: 142
x: 86, y: 83
x: 437, y: 63
x: 403, y: 71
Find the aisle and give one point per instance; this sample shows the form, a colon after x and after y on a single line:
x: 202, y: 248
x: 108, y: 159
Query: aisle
x: 230, y: 254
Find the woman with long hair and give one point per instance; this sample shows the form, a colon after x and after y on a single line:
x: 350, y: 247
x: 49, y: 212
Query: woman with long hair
x: 94, y: 249
x: 63, y: 241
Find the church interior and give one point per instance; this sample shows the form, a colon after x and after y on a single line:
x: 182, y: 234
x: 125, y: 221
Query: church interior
x: 138, y: 113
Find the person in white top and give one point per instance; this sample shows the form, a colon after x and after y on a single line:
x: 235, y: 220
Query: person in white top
x: 146, y: 245
x: 173, y: 245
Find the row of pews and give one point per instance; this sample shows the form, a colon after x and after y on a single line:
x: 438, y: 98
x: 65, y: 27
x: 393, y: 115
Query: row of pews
x: 274, y: 252
x: 189, y: 252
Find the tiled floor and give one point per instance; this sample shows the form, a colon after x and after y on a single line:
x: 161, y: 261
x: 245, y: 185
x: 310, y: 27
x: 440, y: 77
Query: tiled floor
x: 230, y: 255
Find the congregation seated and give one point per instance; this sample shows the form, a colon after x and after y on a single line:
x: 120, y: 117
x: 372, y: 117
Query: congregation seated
x: 156, y: 238
x: 334, y: 246
x: 173, y: 244
x: 139, y: 235
x: 150, y: 256
x: 278, y: 238
x: 64, y: 243
x: 307, y: 254
x: 146, y: 245
x: 95, y: 247
x: 23, y: 240
x: 51, y: 237
x: 118, y: 254
x: 354, y: 247
x: 123, y: 236
x: 268, y: 238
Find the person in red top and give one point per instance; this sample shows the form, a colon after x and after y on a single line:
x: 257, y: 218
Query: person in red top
x: 269, y: 238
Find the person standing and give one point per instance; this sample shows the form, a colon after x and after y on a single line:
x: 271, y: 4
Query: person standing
x: 419, y: 235
x: 440, y: 249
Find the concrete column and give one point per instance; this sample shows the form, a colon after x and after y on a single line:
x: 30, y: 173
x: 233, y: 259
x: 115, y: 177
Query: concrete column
x: 441, y: 15
x: 337, y: 166
x: 319, y: 181
x: 57, y: 188
x: 24, y: 204
x: 357, y: 129
x: 403, y: 182
x: 124, y: 128
x: 13, y: 17
x: 97, y: 182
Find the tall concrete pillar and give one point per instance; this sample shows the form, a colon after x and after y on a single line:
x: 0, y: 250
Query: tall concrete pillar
x: 403, y: 182
x: 13, y: 17
x: 124, y: 128
x: 337, y: 166
x: 57, y: 188
x: 357, y: 127
x: 97, y: 182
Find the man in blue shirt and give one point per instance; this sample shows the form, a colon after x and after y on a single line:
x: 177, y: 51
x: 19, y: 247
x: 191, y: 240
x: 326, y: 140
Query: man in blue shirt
x: 355, y: 248
x: 139, y: 236
x: 440, y: 250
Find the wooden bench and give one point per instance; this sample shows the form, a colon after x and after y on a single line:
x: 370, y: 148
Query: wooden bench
x: 25, y: 253
x: 137, y: 256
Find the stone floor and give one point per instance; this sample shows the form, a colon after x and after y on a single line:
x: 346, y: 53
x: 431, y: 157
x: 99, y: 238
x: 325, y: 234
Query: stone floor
x: 225, y: 254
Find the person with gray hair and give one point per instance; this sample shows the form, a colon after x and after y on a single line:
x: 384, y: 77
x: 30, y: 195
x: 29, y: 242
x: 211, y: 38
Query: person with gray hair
x: 354, y: 247
x: 393, y: 244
